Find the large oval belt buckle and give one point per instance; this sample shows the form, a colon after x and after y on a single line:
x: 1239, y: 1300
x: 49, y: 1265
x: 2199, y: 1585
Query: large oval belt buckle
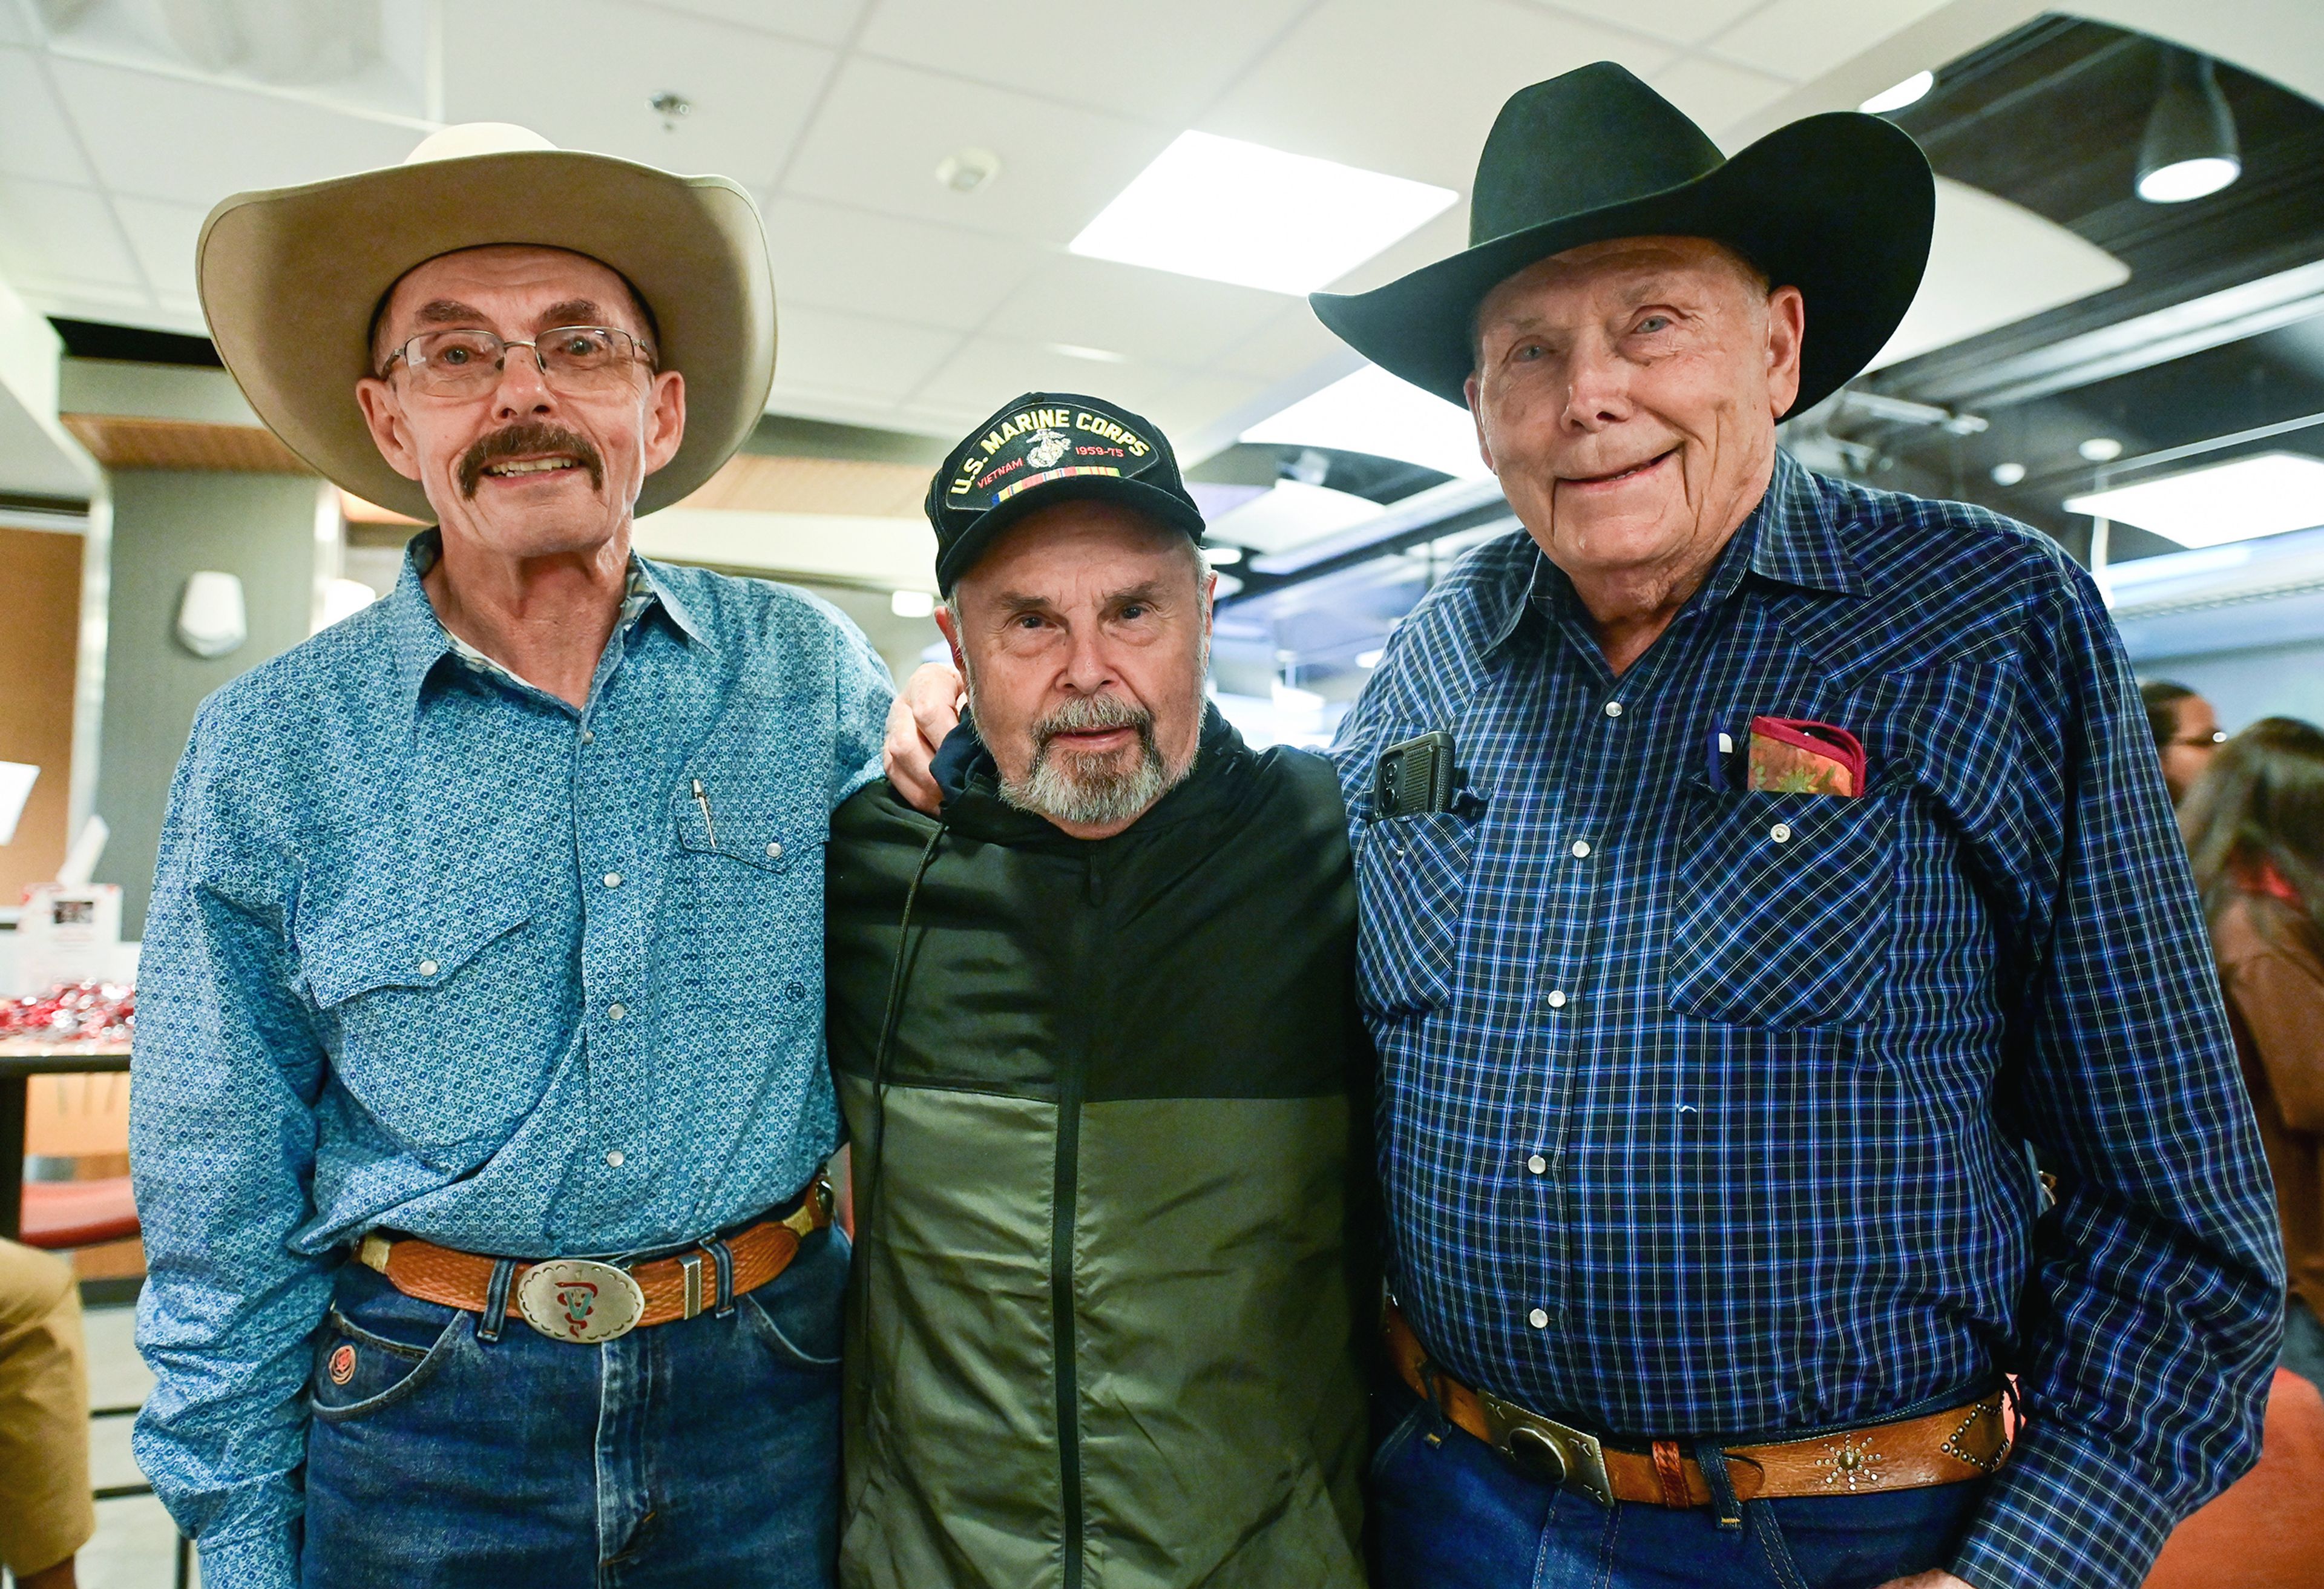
x: 580, y: 1300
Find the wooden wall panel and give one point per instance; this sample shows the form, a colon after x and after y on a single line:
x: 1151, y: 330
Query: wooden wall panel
x: 40, y: 643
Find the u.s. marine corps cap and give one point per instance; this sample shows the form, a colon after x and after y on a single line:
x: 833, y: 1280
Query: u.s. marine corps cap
x: 1042, y: 449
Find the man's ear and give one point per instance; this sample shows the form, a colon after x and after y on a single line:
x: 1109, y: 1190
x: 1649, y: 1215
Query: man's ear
x: 1210, y: 599
x: 665, y: 418
x: 950, y: 625
x: 1477, y: 415
x: 382, y: 412
x: 1788, y: 313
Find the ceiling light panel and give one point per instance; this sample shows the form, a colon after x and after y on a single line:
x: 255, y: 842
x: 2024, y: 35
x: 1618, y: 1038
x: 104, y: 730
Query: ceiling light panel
x: 2268, y: 493
x: 1373, y: 412
x: 1225, y: 210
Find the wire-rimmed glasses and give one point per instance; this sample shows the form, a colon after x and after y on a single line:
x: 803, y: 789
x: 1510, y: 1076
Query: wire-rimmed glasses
x: 463, y: 361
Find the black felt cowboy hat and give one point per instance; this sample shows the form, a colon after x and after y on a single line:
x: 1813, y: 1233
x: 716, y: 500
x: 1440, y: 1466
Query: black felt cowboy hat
x: 1839, y: 206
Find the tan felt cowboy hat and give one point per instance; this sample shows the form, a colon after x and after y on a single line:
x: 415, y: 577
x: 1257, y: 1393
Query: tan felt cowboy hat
x: 290, y: 280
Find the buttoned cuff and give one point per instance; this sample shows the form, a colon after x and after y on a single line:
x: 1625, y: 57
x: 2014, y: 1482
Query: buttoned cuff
x: 256, y: 1561
x: 2064, y: 1514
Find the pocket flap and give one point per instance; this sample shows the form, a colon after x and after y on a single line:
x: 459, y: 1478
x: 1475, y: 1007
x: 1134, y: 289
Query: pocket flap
x: 764, y: 837
x: 361, y: 952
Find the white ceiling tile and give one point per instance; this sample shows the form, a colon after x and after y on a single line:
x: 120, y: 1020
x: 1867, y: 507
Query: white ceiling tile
x: 1125, y: 59
x: 1804, y: 38
x: 11, y: 30
x: 988, y: 372
x: 1200, y: 402
x: 819, y: 350
x: 1682, y: 22
x: 884, y: 129
x: 1286, y: 346
x: 166, y: 138
x: 835, y: 257
x: 36, y: 139
x: 826, y: 22
x: 164, y: 236
x: 1128, y: 309
x: 1359, y: 82
x: 1716, y: 95
x: 63, y: 234
x: 751, y: 92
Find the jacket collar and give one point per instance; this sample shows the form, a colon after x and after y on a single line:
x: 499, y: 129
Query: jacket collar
x: 1791, y: 538
x: 970, y: 785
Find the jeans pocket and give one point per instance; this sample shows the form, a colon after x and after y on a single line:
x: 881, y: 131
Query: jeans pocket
x: 1398, y: 1437
x: 800, y: 1313
x: 358, y: 1373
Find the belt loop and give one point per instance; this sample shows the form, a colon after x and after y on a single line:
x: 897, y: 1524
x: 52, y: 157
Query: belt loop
x: 1713, y: 1461
x: 724, y: 1257
x: 496, y: 1295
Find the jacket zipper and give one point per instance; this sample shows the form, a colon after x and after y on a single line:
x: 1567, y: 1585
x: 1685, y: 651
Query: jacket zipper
x: 1063, y: 1332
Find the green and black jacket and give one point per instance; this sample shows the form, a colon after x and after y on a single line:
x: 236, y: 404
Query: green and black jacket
x: 1104, y: 1326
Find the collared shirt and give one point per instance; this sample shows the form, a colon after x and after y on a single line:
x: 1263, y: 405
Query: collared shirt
x: 1706, y: 1111
x: 432, y: 950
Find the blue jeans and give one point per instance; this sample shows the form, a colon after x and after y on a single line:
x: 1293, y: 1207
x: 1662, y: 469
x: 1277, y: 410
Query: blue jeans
x: 1449, y: 1512
x: 699, y: 1451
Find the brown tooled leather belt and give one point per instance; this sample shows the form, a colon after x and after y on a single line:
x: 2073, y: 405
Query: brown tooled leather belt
x: 1968, y: 1441
x: 584, y: 1301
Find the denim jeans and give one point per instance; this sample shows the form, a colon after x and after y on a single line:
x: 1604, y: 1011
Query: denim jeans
x: 1449, y: 1512
x: 699, y: 1451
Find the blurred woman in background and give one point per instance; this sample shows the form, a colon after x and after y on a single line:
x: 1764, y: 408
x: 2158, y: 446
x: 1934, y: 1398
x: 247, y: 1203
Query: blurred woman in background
x: 2255, y: 827
x: 2186, y: 733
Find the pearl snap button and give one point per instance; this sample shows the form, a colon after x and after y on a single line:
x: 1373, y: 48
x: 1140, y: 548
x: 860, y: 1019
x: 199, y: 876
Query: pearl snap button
x: 614, y: 1159
x: 612, y: 879
x: 1613, y: 708
x: 1538, y: 1164
x: 614, y: 1012
x: 1781, y: 832
x: 774, y: 852
x: 1538, y: 1318
x: 588, y: 737
x: 1557, y: 998
x: 427, y: 968
x: 1581, y: 849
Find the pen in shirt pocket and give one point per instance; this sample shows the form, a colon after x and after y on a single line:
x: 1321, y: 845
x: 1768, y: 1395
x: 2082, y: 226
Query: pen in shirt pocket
x: 701, y: 799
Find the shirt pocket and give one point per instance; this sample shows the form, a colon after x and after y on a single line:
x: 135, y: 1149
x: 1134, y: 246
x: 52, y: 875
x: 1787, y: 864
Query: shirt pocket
x: 749, y: 877
x: 1785, y: 907
x: 414, y: 1011
x: 1412, y: 887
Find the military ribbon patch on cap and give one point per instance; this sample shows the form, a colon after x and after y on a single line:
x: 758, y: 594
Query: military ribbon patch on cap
x: 1014, y: 486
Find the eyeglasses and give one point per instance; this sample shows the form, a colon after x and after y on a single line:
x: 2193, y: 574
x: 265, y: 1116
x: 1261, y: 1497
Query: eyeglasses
x: 2207, y: 741
x: 465, y: 362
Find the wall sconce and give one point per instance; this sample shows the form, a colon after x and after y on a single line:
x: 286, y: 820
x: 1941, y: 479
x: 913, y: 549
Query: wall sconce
x: 211, y: 622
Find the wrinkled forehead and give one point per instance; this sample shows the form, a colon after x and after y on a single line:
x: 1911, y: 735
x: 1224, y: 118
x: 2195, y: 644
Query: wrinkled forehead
x: 1081, y: 553
x: 1622, y: 268
x: 517, y: 286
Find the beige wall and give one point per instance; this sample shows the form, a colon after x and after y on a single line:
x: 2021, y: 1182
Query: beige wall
x: 40, y: 627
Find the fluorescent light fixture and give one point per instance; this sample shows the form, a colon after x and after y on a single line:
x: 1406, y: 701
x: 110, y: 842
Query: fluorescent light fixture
x: 911, y: 603
x: 1230, y: 211
x: 2268, y: 493
x: 1218, y: 556
x: 16, y: 780
x: 1373, y: 412
x: 1911, y: 91
x: 1096, y: 356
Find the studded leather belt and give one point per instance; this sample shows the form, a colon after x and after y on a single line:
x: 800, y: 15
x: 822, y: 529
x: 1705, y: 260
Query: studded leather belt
x: 584, y: 1301
x: 1967, y: 1442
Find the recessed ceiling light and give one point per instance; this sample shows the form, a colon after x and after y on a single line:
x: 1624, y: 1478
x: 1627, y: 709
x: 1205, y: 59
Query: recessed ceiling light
x: 2267, y: 493
x: 2008, y: 474
x: 1373, y: 412
x: 1219, y: 556
x: 911, y: 603
x: 2101, y: 449
x: 1230, y: 211
x: 1096, y: 356
x: 1911, y: 91
x: 964, y: 171
x: 1370, y: 658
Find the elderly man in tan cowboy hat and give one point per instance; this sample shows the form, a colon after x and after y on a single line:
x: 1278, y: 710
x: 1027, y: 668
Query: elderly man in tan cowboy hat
x: 1803, y: 878
x: 481, y: 1095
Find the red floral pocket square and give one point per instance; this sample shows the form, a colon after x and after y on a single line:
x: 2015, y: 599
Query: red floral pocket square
x: 1792, y: 755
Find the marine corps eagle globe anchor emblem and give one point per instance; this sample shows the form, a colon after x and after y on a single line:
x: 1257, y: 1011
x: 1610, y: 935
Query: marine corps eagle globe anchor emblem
x: 1049, y: 447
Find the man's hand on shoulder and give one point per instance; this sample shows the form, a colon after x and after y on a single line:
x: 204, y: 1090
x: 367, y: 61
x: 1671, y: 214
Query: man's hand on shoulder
x: 926, y: 710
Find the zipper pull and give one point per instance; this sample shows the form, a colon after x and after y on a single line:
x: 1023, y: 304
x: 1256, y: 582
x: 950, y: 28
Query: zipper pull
x: 703, y: 800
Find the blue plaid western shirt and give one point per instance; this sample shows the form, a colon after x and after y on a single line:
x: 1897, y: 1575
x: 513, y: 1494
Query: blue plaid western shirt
x: 432, y: 950
x: 1706, y: 1112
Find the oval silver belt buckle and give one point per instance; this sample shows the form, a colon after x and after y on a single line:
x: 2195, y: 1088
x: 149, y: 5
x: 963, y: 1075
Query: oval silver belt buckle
x: 580, y: 1300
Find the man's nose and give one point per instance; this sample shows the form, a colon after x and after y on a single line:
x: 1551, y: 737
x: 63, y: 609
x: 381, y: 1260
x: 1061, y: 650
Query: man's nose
x: 1597, y: 388
x: 523, y: 388
x: 1089, y: 668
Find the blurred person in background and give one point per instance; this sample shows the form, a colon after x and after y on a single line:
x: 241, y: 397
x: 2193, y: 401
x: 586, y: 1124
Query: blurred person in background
x: 46, y: 1514
x: 2187, y: 733
x: 2254, y: 827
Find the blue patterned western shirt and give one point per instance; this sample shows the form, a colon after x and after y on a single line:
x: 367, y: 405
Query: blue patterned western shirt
x: 432, y: 950
x: 1705, y: 1112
